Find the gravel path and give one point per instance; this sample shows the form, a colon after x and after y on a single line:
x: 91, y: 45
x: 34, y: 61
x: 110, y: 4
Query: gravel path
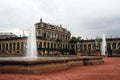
x: 108, y: 71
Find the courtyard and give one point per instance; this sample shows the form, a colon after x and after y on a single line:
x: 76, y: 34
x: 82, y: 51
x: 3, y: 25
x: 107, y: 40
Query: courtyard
x: 108, y: 71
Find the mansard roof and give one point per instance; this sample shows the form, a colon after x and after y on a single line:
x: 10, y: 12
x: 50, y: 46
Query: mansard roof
x: 52, y: 26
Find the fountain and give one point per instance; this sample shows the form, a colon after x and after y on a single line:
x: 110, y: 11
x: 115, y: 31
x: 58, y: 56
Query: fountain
x: 31, y: 44
x: 31, y: 64
x: 103, y: 46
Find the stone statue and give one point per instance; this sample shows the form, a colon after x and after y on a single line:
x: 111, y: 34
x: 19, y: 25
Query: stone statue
x: 97, y: 41
x: 78, y: 46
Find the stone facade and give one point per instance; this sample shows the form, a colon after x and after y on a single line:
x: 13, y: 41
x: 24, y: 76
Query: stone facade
x: 88, y: 47
x: 13, y: 46
x: 51, y: 40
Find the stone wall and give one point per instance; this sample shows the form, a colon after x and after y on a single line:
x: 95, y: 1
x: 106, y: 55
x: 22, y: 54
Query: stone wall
x: 42, y: 65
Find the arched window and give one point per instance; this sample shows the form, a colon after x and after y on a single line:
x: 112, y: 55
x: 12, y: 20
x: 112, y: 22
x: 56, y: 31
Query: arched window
x: 48, y: 45
x: 114, y: 45
x: 89, y: 46
x: 48, y: 35
x: 45, y: 34
x: 81, y: 46
x: 40, y: 33
x: 52, y: 34
x: 0, y: 47
x: 55, y: 36
x: 94, y: 46
x: 44, y: 44
x: 10, y: 45
x: 18, y: 45
x: 57, y: 46
x: 51, y: 45
x: 66, y: 46
x: 119, y: 45
x: 22, y: 45
x: 85, y: 47
x: 108, y: 45
x: 13, y: 46
x: 63, y: 46
x: 54, y: 45
x: 40, y: 45
x: 3, y: 46
x: 6, y: 46
x: 60, y: 46
x: 25, y: 45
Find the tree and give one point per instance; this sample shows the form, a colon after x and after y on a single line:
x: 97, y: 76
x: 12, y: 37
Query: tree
x: 75, y: 39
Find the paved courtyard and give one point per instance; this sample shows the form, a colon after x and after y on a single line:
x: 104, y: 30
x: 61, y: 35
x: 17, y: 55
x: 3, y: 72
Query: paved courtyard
x: 108, y: 71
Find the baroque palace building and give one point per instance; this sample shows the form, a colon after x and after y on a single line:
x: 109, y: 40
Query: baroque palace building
x: 51, y: 40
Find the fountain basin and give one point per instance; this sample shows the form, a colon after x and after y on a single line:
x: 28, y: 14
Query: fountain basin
x: 46, y: 64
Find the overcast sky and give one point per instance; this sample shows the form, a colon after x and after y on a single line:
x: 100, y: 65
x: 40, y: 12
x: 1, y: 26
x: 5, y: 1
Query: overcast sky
x: 86, y: 18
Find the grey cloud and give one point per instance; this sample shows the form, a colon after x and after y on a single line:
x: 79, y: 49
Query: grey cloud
x: 86, y: 18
